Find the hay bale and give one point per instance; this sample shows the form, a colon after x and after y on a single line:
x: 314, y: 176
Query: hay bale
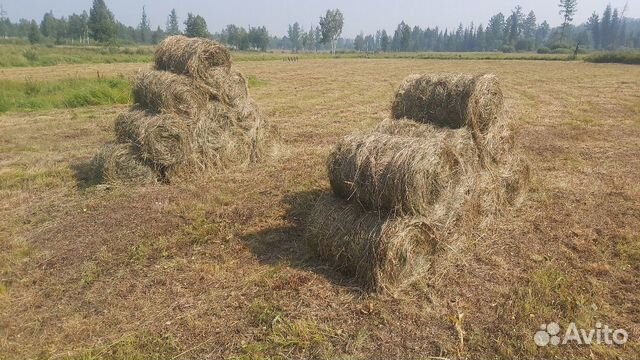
x: 227, y: 85
x: 450, y: 100
x: 193, y: 57
x: 406, y: 175
x: 162, y: 140
x: 119, y: 164
x: 381, y: 253
x: 165, y: 92
x: 223, y: 136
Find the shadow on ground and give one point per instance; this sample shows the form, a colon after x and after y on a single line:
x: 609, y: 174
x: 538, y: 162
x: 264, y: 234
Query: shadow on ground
x: 287, y: 244
x: 85, y: 174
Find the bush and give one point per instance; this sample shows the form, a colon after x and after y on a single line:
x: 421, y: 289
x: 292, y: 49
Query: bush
x: 524, y: 45
x: 507, y: 49
x: 31, y: 87
x: 621, y: 57
x: 559, y: 45
x: 544, y: 50
x: 31, y: 54
x: 562, y: 51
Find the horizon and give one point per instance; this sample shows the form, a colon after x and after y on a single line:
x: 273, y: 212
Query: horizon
x: 280, y: 14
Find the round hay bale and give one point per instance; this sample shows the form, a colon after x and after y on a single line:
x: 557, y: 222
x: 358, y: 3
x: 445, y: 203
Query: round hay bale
x: 450, y: 100
x: 163, y: 140
x: 227, y: 85
x: 381, y: 253
x: 218, y: 140
x: 165, y: 92
x: 405, y: 175
x: 119, y: 164
x: 193, y: 57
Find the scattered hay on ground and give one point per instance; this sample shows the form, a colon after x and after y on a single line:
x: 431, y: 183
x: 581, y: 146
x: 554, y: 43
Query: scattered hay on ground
x: 165, y: 92
x: 450, y: 100
x: 381, y: 253
x: 193, y: 57
x: 119, y: 164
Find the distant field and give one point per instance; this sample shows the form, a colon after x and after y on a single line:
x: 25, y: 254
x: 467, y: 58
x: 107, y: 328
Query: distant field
x: 29, y: 56
x: 217, y: 268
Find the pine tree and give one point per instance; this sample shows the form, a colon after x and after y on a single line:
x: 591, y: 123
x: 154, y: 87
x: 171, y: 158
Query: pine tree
x: 144, y: 27
x: 295, y: 36
x: 101, y: 22
x: 172, y: 23
x: 384, y: 41
x: 34, y: 32
x: 195, y: 26
x: 594, y: 27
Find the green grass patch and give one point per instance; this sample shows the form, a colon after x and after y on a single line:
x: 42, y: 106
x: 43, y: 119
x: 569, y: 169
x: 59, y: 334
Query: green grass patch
x: 25, y: 55
x: 621, y: 57
x: 282, y: 56
x: 18, y: 179
x: 32, y: 95
x: 254, y: 82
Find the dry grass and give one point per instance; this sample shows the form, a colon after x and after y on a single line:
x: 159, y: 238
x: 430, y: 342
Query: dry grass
x: 162, y: 91
x: 191, y: 115
x: 383, y: 253
x: 193, y: 57
x: 217, y: 268
x: 163, y: 140
x: 403, y: 175
x: 450, y: 100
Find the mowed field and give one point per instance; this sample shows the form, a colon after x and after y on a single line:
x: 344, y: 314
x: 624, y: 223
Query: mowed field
x: 218, y: 268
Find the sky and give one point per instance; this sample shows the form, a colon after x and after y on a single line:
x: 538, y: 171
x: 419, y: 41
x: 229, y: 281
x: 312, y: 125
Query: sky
x: 360, y: 15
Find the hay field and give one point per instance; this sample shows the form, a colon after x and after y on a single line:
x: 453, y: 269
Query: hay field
x: 217, y: 268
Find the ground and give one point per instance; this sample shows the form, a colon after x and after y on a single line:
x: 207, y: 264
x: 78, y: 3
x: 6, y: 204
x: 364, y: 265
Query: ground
x: 217, y: 268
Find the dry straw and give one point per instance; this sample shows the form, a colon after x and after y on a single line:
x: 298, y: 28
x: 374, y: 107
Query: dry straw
x: 119, y: 164
x: 381, y: 253
x: 404, y: 175
x: 162, y: 140
x: 450, y: 100
x: 162, y: 91
x: 446, y: 163
x: 193, y: 113
x: 193, y: 57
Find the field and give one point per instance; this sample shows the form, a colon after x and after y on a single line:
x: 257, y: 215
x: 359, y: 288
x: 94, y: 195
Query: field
x: 217, y: 268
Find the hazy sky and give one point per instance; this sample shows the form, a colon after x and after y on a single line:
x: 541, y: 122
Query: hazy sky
x: 360, y: 15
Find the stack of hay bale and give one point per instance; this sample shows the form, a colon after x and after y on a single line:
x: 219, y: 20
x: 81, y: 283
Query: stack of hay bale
x: 191, y: 113
x: 444, y: 162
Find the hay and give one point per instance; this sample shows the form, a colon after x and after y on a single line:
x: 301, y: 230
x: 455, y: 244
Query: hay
x: 453, y: 100
x: 224, y: 136
x: 165, y: 92
x: 381, y: 253
x: 118, y: 164
x: 162, y: 140
x: 227, y: 85
x: 193, y: 57
x: 405, y: 175
x: 446, y: 162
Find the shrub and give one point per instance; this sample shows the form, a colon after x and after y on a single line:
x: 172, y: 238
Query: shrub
x: 544, y: 50
x: 507, y: 49
x: 30, y: 54
x: 622, y: 57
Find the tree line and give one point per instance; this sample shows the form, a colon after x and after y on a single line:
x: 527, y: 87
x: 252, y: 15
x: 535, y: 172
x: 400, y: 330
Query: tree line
x: 516, y: 31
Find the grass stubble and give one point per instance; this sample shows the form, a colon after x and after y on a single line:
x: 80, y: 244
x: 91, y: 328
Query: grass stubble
x: 218, y: 268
